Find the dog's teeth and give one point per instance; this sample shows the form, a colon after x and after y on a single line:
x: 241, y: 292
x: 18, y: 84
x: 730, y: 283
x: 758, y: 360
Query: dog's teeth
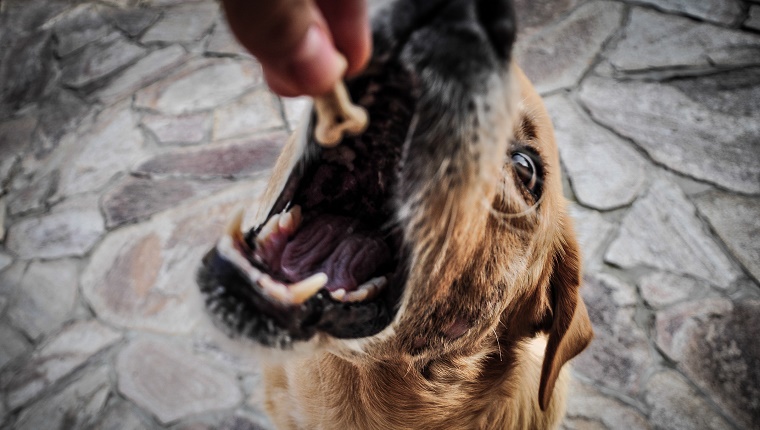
x: 272, y: 226
x: 290, y: 220
x: 338, y: 294
x: 367, y: 290
x: 303, y: 290
x: 235, y: 228
x: 274, y: 289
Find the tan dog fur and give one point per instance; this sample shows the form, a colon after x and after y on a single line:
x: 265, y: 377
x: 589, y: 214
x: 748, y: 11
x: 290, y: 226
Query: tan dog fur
x: 505, y: 287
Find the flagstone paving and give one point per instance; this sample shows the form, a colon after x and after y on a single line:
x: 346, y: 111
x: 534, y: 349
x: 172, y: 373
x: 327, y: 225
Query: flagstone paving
x: 130, y: 130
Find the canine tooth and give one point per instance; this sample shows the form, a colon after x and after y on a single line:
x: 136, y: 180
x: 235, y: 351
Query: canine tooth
x: 274, y: 289
x: 290, y: 220
x: 367, y: 290
x: 302, y: 290
x: 338, y: 294
x: 272, y: 226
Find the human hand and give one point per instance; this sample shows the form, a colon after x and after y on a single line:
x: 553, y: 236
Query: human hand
x: 301, y: 43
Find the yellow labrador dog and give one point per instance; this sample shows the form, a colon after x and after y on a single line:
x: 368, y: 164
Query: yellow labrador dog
x: 425, y: 274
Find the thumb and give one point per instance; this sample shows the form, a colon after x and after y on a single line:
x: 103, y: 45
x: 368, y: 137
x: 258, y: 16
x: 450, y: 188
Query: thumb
x: 291, y: 41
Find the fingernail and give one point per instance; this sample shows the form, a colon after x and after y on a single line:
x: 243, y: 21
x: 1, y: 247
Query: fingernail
x: 316, y: 65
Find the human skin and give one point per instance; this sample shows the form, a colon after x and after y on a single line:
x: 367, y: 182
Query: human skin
x: 301, y: 43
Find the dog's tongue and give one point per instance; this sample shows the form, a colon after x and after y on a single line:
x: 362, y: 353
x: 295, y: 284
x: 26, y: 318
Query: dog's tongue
x: 337, y: 246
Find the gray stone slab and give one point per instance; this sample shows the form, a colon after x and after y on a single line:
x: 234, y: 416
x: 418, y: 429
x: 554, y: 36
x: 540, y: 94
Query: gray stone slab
x: 111, y: 145
x: 234, y: 158
x: 726, y: 12
x: 620, y: 356
x: 592, y: 231
x: 660, y: 289
x: 191, y: 89
x: 121, y: 415
x: 134, y: 199
x: 737, y: 221
x: 131, y: 20
x: 588, y: 406
x: 78, y: 28
x: 662, y: 231
x: 222, y: 41
x: 534, y: 15
x: 733, y: 92
x: 14, y: 344
x: 26, y: 69
x: 179, y: 130
x: 64, y: 353
x: 47, y: 296
x: 183, y: 23
x: 690, y: 44
x: 60, y: 113
x: 143, y: 276
x: 558, y: 56
x: 680, y: 132
x: 676, y: 405
x: 254, y: 112
x: 753, y: 20
x: 77, y: 406
x: 98, y: 61
x: 5, y: 261
x: 59, y: 234
x: 605, y: 171
x: 147, y: 70
x: 711, y: 342
x: 164, y: 388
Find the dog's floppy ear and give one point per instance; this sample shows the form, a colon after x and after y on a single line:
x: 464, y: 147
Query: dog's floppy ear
x: 570, y: 331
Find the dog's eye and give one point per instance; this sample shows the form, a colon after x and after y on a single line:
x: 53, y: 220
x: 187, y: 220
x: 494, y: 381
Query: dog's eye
x: 526, y: 171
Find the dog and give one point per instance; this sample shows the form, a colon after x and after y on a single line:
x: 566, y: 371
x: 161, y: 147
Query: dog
x: 424, y: 274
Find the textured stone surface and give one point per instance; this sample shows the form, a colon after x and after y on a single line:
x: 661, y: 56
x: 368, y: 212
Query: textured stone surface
x: 295, y: 108
x: 68, y: 350
x: 234, y: 158
x: 132, y: 21
x: 187, y: 90
x: 99, y: 61
x: 737, y: 222
x: 183, y: 129
x: 595, y: 411
x: 725, y: 12
x: 620, y: 355
x: 23, y: 76
x: 136, y: 198
x: 558, y: 56
x: 592, y: 231
x: 222, y: 40
x: 15, y: 138
x: 143, y: 276
x: 144, y: 72
x: 753, y: 20
x: 3, y: 210
x: 46, y: 298
x: 254, y: 112
x: 14, y: 344
x: 675, y: 405
x: 77, y: 406
x: 533, y: 15
x: 701, y: 142
x: 183, y: 23
x: 163, y: 387
x: 121, y: 416
x: 661, y: 289
x: 110, y: 146
x: 583, y: 145
x: 5, y: 261
x: 662, y: 230
x: 710, y: 342
x: 690, y: 44
x: 59, y: 234
x: 79, y: 27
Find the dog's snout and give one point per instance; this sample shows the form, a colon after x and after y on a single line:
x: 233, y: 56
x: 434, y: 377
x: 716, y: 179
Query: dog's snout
x: 498, y: 20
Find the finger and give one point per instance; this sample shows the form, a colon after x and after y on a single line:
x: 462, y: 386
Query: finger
x: 349, y: 24
x: 291, y: 40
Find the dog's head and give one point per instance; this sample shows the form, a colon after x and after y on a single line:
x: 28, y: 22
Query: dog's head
x: 440, y: 227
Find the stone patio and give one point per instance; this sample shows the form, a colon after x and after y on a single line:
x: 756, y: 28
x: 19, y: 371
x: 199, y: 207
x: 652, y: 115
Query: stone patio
x: 131, y: 129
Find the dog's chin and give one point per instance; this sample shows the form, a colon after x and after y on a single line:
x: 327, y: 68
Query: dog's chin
x: 329, y: 258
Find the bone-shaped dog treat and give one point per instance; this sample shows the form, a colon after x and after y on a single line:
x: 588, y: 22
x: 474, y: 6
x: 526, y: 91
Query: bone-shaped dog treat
x: 336, y: 115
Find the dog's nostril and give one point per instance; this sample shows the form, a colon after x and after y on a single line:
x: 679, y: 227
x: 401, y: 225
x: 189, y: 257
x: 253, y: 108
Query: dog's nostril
x: 498, y: 20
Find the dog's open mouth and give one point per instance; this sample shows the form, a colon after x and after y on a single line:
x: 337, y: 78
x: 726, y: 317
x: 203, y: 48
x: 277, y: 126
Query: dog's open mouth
x: 329, y: 258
